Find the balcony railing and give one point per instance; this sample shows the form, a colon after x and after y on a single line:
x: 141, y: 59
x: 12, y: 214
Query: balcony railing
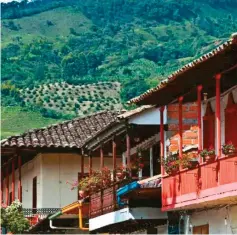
x: 209, y: 181
x: 105, y: 200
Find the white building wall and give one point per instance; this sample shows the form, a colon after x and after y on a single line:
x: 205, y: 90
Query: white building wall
x: 57, y: 170
x: 221, y: 221
x: 53, y: 171
x: 149, y: 117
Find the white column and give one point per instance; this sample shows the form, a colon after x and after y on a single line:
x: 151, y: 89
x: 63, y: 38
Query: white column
x: 124, y: 159
x: 151, y: 162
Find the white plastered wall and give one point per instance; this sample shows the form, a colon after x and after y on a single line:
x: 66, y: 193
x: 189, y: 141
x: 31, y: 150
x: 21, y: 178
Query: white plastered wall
x: 53, y: 171
x: 57, y: 170
x: 221, y: 221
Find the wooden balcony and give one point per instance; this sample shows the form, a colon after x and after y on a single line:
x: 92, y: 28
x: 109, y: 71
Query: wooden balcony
x: 206, y: 185
x: 103, y: 201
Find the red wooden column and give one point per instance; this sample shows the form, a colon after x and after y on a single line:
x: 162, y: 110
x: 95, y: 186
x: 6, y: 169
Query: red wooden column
x: 101, y: 158
x: 13, y: 179
x: 82, y: 164
x: 19, y: 179
x: 90, y: 164
x: 180, y: 127
x: 162, y: 139
x: 128, y: 153
x: 199, y: 96
x: 7, y: 184
x: 114, y: 158
x: 2, y: 176
x: 218, y: 115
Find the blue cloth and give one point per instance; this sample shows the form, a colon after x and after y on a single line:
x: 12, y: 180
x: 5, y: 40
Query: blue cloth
x: 124, y: 190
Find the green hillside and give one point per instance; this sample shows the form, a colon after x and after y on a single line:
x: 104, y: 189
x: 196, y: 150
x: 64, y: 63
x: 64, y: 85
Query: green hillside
x: 132, y: 43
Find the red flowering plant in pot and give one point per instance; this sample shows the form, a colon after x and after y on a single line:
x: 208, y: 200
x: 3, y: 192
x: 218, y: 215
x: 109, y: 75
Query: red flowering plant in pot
x: 171, y: 164
x: 228, y: 149
x: 122, y: 173
x: 189, y: 160
x: 208, y: 154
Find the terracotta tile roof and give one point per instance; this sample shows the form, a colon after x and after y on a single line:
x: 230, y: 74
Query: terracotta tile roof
x: 72, y: 134
x: 185, y: 68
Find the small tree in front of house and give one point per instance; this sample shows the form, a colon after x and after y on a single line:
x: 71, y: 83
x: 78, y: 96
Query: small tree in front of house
x: 12, y: 218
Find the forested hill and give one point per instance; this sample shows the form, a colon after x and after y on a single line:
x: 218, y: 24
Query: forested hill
x: 59, y: 56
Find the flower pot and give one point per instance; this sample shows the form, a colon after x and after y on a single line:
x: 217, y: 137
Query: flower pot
x: 193, y: 163
x: 120, y: 175
x: 83, y: 193
x: 173, y: 171
x: 210, y: 158
x: 229, y: 152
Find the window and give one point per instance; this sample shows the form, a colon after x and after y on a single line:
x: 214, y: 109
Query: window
x: 209, y: 128
x: 231, y: 121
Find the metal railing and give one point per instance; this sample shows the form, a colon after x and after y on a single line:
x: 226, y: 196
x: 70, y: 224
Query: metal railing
x: 40, y: 212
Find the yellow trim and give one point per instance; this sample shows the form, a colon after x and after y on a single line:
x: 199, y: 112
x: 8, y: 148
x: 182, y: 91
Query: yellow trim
x: 70, y: 207
x: 80, y: 219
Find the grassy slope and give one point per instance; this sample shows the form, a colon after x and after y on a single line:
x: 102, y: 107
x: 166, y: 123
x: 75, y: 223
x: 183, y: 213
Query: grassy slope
x: 15, y: 121
x: 34, y: 26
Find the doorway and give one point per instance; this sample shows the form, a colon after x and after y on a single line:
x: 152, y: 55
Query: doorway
x: 34, y: 195
x: 202, y: 229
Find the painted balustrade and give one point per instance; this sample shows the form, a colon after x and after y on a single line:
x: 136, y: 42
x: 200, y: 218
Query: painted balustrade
x: 207, y: 180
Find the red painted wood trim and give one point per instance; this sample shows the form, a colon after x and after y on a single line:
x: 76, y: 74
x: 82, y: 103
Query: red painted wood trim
x: 13, y: 179
x: 218, y: 115
x: 180, y: 127
x: 114, y: 155
x: 199, y: 90
x: 90, y: 164
x: 7, y: 184
x: 128, y: 152
x: 19, y: 179
x: 2, y: 170
x: 82, y: 164
x: 162, y: 141
x: 101, y: 158
x: 219, y: 192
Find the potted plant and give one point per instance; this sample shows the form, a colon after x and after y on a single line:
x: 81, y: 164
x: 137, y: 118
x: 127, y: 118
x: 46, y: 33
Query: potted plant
x: 189, y: 160
x: 208, y: 154
x: 122, y: 173
x: 171, y: 164
x: 228, y: 148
